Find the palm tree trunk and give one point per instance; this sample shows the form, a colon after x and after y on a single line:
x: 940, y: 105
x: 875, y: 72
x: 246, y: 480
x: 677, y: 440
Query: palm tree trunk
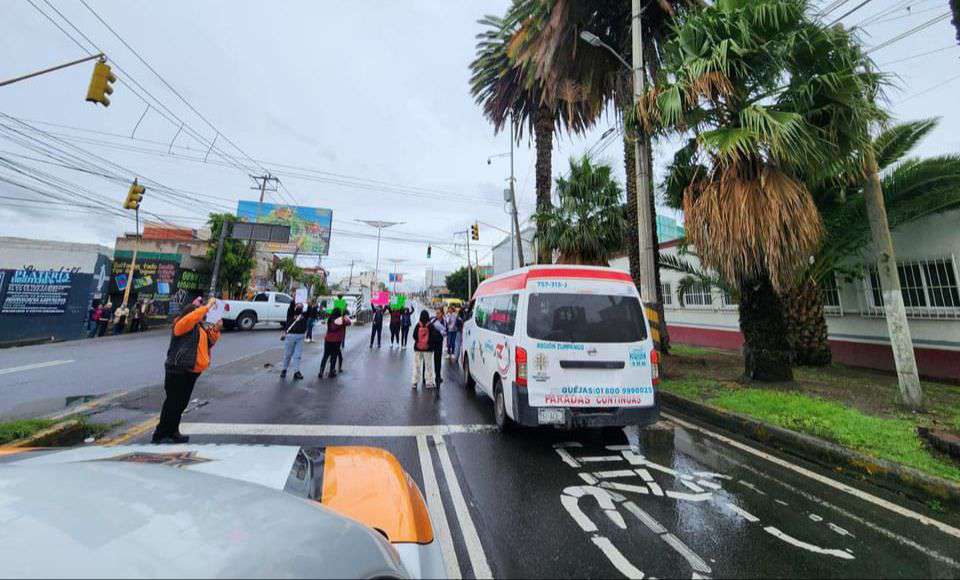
x: 655, y: 238
x: 543, y: 133
x: 896, y: 313
x: 807, y: 325
x: 766, y: 350
x: 633, y: 248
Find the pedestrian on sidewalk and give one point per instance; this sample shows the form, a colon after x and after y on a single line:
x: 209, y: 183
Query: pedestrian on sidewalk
x: 120, y: 319
x: 405, y: 323
x: 106, y: 315
x: 293, y: 337
x: 337, y: 325
x: 147, y: 311
x: 438, y: 323
x: 187, y: 356
x: 450, y: 321
x: 136, y: 324
x: 395, y: 314
x: 95, y: 319
x: 376, y: 330
x: 426, y: 336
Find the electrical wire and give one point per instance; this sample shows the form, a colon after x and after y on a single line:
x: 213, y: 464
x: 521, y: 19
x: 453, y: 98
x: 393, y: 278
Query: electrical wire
x: 910, y: 32
x: 918, y: 55
x: 851, y: 11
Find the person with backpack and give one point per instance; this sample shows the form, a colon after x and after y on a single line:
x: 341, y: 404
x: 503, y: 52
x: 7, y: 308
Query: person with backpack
x: 337, y: 325
x: 187, y: 356
x: 405, y: 323
x: 426, y: 338
x: 376, y: 330
x: 293, y: 337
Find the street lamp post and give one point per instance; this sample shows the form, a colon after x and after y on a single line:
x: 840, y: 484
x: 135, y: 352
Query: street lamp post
x: 380, y: 225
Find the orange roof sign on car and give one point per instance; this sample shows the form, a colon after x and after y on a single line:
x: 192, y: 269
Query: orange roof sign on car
x: 369, y: 485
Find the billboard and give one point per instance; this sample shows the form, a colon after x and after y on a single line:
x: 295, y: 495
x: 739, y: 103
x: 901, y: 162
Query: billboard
x: 309, y: 226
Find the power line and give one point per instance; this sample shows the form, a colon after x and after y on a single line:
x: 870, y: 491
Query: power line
x: 910, y: 32
x: 918, y: 55
x: 832, y: 7
x: 934, y: 87
x: 851, y: 11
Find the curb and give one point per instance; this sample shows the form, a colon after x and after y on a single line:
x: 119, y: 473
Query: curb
x: 64, y: 434
x: 886, y: 474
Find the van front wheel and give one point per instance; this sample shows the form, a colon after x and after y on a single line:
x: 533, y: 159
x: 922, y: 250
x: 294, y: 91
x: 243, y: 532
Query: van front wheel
x: 504, y: 423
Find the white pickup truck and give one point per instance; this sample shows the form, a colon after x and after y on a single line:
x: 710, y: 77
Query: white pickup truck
x: 265, y: 307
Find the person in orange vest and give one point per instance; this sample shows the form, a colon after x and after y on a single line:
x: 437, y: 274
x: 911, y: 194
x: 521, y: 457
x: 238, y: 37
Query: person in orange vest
x: 187, y: 357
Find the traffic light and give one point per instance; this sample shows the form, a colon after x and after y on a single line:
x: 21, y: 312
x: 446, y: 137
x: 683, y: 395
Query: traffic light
x: 475, y: 232
x: 429, y: 249
x: 100, y: 84
x: 134, y: 196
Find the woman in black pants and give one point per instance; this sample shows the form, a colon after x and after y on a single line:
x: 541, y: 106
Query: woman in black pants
x: 405, y: 320
x: 336, y: 331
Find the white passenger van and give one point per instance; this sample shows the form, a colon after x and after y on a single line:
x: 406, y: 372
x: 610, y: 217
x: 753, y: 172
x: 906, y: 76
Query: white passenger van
x: 562, y: 345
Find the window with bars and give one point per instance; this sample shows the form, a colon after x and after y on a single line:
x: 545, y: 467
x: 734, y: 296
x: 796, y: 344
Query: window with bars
x: 698, y: 295
x: 929, y: 287
x: 666, y: 292
x: 830, y: 293
x: 728, y: 299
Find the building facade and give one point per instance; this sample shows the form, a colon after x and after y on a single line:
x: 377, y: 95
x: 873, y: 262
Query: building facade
x: 927, y: 257
x: 47, y: 288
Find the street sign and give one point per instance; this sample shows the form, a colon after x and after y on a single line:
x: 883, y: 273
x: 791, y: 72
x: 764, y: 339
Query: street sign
x: 274, y: 233
x: 395, y: 277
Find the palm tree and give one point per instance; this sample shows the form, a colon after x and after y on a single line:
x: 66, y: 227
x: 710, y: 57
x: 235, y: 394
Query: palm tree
x: 588, y: 223
x: 771, y: 97
x: 955, y: 8
x: 507, y: 93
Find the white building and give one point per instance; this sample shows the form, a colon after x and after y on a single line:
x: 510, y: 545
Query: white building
x: 927, y: 256
x: 505, y: 252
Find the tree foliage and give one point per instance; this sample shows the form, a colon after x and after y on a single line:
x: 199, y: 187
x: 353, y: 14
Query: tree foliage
x: 236, y: 264
x: 588, y: 224
x: 457, y: 282
x: 290, y: 273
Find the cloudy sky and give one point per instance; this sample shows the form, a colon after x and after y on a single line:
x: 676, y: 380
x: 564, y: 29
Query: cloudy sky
x: 359, y: 106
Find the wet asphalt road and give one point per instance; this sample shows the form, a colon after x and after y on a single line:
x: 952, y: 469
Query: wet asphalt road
x: 676, y: 500
x: 547, y: 503
x: 41, y: 379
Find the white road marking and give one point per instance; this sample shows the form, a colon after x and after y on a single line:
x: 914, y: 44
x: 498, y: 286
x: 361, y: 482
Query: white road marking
x: 691, y: 486
x: 907, y: 513
x: 710, y: 484
x: 617, y: 558
x: 624, y: 487
x: 654, y: 488
x: 646, y: 519
x: 695, y: 561
x: 599, y: 459
x: 750, y: 486
x: 478, y: 560
x: 706, y: 496
x: 567, y: 458
x: 815, y: 518
x: 589, y: 479
x: 781, y: 502
x: 843, y: 555
x: 30, y: 367
x: 267, y: 429
x: 743, y: 513
x: 839, y: 530
x: 645, y: 475
x: 614, y: 474
x: 437, y: 514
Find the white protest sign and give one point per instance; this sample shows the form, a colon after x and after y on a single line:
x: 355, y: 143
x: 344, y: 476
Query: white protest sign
x: 215, y: 313
x: 300, y: 297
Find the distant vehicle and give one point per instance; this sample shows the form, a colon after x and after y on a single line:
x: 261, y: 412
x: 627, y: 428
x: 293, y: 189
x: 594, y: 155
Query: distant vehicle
x: 567, y: 346
x: 205, y: 511
x: 265, y: 307
x: 451, y: 302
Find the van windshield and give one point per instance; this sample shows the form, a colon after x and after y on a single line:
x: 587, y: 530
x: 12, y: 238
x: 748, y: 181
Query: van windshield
x: 585, y: 318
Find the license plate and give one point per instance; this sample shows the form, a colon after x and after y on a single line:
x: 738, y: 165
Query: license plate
x: 551, y: 416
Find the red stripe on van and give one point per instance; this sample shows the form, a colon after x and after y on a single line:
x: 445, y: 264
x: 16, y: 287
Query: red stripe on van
x: 578, y: 273
x: 519, y: 281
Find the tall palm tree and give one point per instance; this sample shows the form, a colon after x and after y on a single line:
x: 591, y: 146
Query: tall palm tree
x: 770, y: 97
x: 588, y: 223
x: 508, y: 93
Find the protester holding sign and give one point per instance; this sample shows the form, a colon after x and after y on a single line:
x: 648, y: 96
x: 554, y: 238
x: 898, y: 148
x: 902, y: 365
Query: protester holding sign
x: 405, y: 322
x: 293, y: 334
x: 376, y: 329
x: 336, y: 333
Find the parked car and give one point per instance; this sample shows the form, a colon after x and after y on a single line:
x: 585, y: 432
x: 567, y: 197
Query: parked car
x: 213, y: 511
x: 567, y: 346
x: 265, y: 307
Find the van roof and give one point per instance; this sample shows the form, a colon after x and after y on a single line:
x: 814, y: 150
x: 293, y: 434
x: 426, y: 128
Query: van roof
x: 517, y: 279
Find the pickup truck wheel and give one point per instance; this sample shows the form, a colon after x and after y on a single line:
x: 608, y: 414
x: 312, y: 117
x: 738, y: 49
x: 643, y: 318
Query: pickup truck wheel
x: 247, y: 321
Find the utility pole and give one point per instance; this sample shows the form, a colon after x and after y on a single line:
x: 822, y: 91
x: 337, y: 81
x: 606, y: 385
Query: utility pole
x: 896, y: 314
x: 469, y: 276
x: 648, y: 254
x: 350, y: 282
x: 133, y: 260
x: 513, y: 196
x: 261, y: 181
x: 215, y: 277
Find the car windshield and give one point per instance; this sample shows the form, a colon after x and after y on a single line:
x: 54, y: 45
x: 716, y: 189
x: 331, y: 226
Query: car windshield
x: 585, y: 318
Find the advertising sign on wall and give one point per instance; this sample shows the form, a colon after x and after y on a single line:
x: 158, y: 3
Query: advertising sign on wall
x: 33, y: 292
x: 309, y: 226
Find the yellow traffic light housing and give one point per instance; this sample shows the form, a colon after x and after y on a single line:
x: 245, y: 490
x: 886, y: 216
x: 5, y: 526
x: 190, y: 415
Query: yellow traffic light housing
x: 134, y: 196
x: 475, y: 232
x: 100, y: 84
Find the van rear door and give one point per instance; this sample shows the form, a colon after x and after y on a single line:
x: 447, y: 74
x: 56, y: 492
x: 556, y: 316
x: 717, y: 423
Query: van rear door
x: 589, y: 344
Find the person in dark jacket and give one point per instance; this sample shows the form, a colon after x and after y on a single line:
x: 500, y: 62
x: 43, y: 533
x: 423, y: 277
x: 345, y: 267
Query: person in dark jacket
x: 187, y: 357
x: 395, y: 314
x: 426, y: 341
x: 336, y: 332
x: 293, y: 335
x: 438, y: 323
x: 405, y: 323
x: 106, y: 314
x: 376, y: 329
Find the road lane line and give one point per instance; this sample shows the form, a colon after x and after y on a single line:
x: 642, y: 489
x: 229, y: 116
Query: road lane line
x: 437, y: 514
x: 617, y: 558
x: 907, y: 513
x: 279, y: 430
x: 133, y: 432
x: 775, y: 532
x: 30, y: 367
x: 478, y: 560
